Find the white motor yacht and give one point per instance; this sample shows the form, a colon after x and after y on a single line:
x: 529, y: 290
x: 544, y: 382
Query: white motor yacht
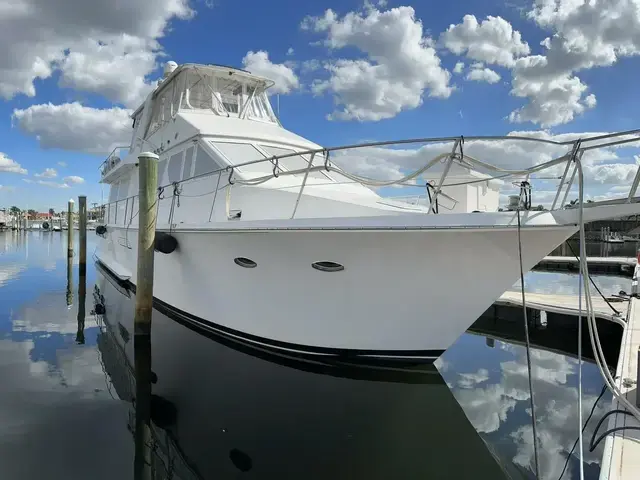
x: 263, y: 238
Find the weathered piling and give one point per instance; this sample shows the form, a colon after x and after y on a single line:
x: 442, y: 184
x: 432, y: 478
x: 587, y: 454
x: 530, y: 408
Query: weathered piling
x: 82, y: 227
x: 148, y: 182
x: 70, y: 228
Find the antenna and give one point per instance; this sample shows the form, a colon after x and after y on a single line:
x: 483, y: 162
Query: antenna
x: 278, y: 104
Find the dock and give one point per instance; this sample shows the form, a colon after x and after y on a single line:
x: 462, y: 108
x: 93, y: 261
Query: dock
x: 621, y: 457
x: 597, y: 265
x: 566, y: 304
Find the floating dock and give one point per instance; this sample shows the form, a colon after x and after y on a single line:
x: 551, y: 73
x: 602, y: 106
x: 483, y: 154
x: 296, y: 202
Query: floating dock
x: 566, y: 304
x: 597, y: 265
x: 621, y: 457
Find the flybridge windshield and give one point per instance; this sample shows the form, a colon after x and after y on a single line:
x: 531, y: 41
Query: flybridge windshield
x: 210, y: 90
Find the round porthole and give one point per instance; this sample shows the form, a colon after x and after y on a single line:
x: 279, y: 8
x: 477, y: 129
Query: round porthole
x: 328, y: 266
x: 245, y: 262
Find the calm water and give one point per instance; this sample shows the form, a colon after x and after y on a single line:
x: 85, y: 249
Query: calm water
x: 225, y: 411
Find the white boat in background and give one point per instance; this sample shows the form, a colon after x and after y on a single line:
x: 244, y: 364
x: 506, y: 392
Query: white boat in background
x: 261, y: 237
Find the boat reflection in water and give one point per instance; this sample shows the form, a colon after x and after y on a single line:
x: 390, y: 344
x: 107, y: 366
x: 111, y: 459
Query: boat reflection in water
x: 219, y: 408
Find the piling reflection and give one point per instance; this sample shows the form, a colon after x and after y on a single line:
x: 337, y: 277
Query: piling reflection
x: 217, y: 408
x: 69, y: 281
x: 82, y: 300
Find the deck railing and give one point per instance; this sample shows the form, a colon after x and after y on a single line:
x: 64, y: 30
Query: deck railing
x: 114, y: 158
x: 443, y: 154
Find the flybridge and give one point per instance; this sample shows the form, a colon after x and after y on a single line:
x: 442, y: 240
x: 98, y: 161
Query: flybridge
x: 219, y: 90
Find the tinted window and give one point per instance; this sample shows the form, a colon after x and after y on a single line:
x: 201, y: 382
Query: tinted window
x: 238, y: 153
x: 297, y: 162
x: 175, y: 167
x: 161, y: 168
x: 188, y: 161
x: 204, y: 163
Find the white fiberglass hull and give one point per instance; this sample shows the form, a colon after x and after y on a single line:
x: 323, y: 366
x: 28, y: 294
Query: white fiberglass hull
x: 402, y: 292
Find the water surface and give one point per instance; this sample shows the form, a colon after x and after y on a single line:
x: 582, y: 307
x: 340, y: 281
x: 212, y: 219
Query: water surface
x: 222, y: 410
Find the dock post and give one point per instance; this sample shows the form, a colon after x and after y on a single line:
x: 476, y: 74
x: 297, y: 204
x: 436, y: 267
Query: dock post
x: 82, y: 227
x: 70, y: 228
x: 148, y: 182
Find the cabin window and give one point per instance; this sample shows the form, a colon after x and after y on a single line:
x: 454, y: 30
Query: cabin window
x: 161, y: 168
x: 237, y: 153
x: 297, y: 162
x: 175, y: 167
x: 204, y: 163
x: 123, y: 190
x: 188, y: 162
x: 113, y: 192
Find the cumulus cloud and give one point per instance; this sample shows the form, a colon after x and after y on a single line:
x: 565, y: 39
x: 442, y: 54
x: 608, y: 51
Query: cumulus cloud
x: 73, y: 179
x: 48, y: 173
x: 400, y: 64
x: 99, y: 49
x: 459, y: 67
x: 284, y: 78
x: 72, y: 126
x: 116, y: 69
x: 479, y: 73
x: 584, y: 35
x: 7, y: 165
x: 492, y: 41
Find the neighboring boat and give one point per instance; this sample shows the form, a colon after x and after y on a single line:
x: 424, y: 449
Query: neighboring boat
x: 265, y: 239
x: 611, y: 237
x: 56, y: 228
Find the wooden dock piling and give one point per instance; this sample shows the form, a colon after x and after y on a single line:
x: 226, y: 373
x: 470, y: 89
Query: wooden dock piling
x: 148, y: 182
x: 70, y: 228
x: 82, y: 240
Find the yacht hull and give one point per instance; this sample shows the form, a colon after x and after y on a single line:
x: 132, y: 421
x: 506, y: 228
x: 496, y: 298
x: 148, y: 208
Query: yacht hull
x: 402, y: 293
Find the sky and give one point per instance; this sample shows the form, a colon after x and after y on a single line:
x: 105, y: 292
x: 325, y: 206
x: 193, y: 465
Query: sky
x: 72, y: 71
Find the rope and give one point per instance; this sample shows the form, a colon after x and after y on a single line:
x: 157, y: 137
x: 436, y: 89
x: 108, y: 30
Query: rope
x: 526, y: 333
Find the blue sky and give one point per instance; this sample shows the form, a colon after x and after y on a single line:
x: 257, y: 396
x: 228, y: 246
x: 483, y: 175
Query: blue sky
x: 332, y: 61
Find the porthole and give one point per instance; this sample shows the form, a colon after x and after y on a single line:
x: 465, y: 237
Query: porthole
x: 328, y: 266
x: 245, y: 262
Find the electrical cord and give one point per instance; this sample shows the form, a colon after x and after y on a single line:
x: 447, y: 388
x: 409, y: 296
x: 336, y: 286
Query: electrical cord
x: 594, y: 283
x: 593, y: 445
x: 593, y: 409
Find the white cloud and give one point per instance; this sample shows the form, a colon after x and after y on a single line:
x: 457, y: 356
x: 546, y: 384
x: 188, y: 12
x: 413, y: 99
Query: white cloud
x: 458, y: 68
x: 584, y: 35
x: 470, y: 380
x: 284, y: 77
x: 73, y: 179
x: 310, y: 65
x: 116, y: 69
x: 553, y: 100
x: 290, y: 51
x: 41, y: 36
x: 401, y: 63
x: 72, y: 126
x: 492, y: 41
x: 7, y: 165
x: 480, y: 73
x: 48, y: 183
x: 62, y: 164
x: 48, y: 173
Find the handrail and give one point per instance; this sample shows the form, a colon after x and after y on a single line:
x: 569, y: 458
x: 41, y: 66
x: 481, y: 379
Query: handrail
x: 456, y: 155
